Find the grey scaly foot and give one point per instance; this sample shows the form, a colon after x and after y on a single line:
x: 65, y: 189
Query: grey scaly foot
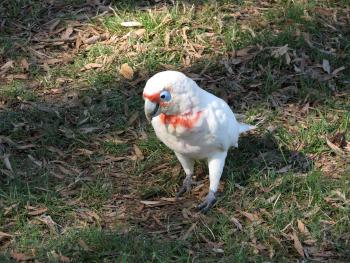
x: 208, y: 202
x: 186, y: 186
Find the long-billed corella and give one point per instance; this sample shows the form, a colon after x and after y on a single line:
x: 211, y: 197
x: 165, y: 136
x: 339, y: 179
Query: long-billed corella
x: 194, y: 123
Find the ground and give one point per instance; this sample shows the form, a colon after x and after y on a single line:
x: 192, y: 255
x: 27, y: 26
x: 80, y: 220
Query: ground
x: 83, y: 177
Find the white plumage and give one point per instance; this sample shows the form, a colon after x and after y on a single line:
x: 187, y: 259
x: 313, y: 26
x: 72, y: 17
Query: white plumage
x: 194, y: 123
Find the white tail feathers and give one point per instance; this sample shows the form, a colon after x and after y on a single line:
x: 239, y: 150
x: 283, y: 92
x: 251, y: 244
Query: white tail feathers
x: 245, y: 127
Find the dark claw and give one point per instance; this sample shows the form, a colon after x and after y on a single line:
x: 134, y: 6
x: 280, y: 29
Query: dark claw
x: 208, y: 202
x: 186, y: 186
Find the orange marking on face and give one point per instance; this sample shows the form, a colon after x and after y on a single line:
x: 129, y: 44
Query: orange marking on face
x: 187, y: 120
x: 152, y: 97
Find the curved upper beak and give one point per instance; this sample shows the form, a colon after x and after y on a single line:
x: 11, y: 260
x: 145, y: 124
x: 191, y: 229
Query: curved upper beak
x: 151, y: 109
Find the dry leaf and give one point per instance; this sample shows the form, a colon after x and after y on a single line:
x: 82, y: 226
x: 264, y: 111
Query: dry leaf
x: 139, y: 32
x: 169, y: 199
x: 146, y: 202
x: 284, y: 169
x: 310, y: 242
x: 91, y: 40
x: 24, y: 147
x: 189, y: 231
x: 7, y: 162
x: 55, y: 150
x: 166, y: 39
x: 78, y: 41
x: 312, y: 212
x: 288, y: 59
x: 47, y: 220
x: 138, y: 152
x: 336, y: 71
x: 112, y: 159
x: 243, y: 52
x: 272, y: 198
x: 280, y: 51
x: 85, y: 152
x: 54, y: 24
x: 4, y: 236
x: 51, y: 61
x: 335, y: 148
x: 339, y: 139
x: 126, y: 71
x: 131, y: 24
x: 250, y: 216
x: 298, y: 246
x: 271, y: 252
x: 302, y: 228
x: 91, y: 66
x: 133, y: 118
x: 7, y: 65
x: 326, y: 66
x: 18, y: 76
x: 86, y: 130
x: 67, y: 33
x: 64, y: 259
x: 24, y: 64
x: 38, y: 211
x: 83, y: 245
x: 38, y: 163
x: 236, y: 222
x: 9, y: 209
x: 19, y: 256
x: 218, y: 250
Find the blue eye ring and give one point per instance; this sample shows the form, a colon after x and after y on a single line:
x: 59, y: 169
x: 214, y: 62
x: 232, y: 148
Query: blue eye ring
x: 165, y: 95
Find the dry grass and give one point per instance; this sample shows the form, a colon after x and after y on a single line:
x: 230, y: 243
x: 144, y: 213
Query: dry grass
x: 84, y: 179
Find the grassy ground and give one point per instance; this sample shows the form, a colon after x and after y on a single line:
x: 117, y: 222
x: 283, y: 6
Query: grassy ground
x: 83, y: 177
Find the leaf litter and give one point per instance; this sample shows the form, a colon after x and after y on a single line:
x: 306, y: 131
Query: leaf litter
x: 79, y: 37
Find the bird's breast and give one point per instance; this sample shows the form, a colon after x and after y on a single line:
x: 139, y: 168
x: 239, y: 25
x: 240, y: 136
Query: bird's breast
x: 188, y: 135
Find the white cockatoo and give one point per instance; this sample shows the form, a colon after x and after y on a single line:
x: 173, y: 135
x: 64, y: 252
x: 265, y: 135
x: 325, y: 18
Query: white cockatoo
x: 194, y: 123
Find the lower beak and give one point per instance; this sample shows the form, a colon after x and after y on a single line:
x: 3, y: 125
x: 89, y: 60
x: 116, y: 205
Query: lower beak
x: 151, y: 109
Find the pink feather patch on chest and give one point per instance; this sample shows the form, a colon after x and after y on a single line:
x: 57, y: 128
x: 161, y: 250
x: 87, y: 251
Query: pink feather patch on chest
x: 187, y: 120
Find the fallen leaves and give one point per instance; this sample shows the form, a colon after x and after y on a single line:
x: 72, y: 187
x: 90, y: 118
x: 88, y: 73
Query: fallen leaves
x: 20, y: 257
x: 24, y: 64
x: 6, y: 67
x: 4, y: 236
x: 67, y: 33
x: 35, y: 211
x: 280, y: 51
x: 91, y: 66
x: 236, y: 222
x: 338, y: 144
x: 252, y: 217
x: 297, y: 244
x: 189, y: 231
x: 7, y: 163
x: 334, y: 147
x: 162, y: 214
x: 48, y: 221
x: 138, y: 152
x: 326, y: 66
x: 126, y: 71
x: 131, y: 24
x: 302, y: 228
x: 83, y: 245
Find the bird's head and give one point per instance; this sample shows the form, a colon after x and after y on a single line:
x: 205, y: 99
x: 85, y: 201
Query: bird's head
x: 170, y: 93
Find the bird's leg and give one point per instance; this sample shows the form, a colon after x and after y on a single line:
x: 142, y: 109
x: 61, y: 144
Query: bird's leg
x: 186, y: 185
x: 216, y: 165
x: 187, y: 165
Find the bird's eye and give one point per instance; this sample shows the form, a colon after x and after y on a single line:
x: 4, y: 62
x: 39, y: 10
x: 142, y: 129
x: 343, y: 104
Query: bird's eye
x: 165, y: 95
